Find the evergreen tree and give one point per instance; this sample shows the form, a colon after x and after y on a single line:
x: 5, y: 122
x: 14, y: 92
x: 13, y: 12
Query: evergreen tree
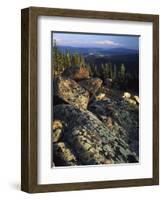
x: 102, y: 70
x: 82, y: 60
x: 96, y: 71
x: 106, y: 71
x: 122, y: 72
x: 89, y: 69
x: 115, y: 72
x: 76, y: 59
x: 110, y: 71
x: 68, y: 59
x: 55, y: 57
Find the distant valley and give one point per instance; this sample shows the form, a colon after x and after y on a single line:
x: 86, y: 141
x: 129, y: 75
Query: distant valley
x: 98, y: 56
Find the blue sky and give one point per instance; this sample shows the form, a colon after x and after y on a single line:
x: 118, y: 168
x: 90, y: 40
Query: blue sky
x: 92, y: 40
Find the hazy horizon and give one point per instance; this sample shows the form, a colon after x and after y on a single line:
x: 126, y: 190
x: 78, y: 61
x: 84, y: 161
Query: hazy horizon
x: 95, y: 40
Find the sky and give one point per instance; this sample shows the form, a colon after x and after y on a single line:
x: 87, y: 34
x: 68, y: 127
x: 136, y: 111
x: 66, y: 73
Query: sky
x: 96, y: 40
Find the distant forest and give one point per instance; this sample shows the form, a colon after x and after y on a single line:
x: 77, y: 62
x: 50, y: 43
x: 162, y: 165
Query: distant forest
x: 122, y: 77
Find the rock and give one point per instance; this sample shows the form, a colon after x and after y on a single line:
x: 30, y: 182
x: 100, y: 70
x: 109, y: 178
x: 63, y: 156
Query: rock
x: 108, y: 82
x: 92, y: 85
x: 62, y: 155
x: 136, y: 98
x: 126, y: 95
x: 57, y: 130
x: 121, y: 118
x: 57, y: 124
x: 76, y: 73
x: 89, y: 138
x: 100, y: 96
x: 109, y: 122
x: 57, y: 135
x: 71, y: 92
x: 127, y: 98
x: 130, y: 101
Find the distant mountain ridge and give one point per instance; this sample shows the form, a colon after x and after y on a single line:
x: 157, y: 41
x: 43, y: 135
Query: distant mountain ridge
x: 97, y: 50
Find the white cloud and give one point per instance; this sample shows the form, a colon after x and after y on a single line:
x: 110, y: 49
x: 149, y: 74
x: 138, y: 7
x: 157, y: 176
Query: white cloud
x: 71, y: 42
x: 107, y: 42
x: 98, y: 43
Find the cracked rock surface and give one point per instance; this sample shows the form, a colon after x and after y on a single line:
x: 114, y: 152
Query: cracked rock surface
x: 89, y: 139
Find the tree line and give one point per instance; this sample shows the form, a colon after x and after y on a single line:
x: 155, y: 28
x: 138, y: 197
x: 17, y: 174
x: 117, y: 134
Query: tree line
x: 120, y: 77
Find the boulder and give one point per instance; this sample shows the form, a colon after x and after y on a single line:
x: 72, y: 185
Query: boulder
x: 90, y: 139
x: 121, y: 118
x: 57, y: 130
x: 76, y: 73
x: 126, y: 95
x: 62, y: 155
x: 136, y: 98
x: 130, y: 101
x: 69, y: 91
x: 92, y: 85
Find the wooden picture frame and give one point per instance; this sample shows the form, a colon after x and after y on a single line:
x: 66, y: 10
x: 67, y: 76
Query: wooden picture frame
x: 29, y: 97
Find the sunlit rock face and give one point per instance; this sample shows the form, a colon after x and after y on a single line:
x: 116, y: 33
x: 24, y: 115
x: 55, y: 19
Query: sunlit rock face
x: 92, y: 85
x: 76, y: 73
x: 69, y: 91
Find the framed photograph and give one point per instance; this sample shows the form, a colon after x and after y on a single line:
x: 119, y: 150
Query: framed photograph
x: 90, y: 99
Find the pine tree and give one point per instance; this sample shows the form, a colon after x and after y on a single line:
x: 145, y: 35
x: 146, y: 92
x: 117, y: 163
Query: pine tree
x: 82, y: 60
x: 96, y: 72
x: 107, y: 71
x: 122, y: 72
x: 73, y: 60
x: 110, y: 71
x: 76, y: 59
x: 55, y: 58
x: 68, y: 59
x: 89, y: 69
x: 102, y: 71
x: 115, y: 72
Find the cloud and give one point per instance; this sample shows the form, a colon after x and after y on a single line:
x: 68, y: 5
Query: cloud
x: 108, y: 43
x: 71, y: 42
x: 80, y: 42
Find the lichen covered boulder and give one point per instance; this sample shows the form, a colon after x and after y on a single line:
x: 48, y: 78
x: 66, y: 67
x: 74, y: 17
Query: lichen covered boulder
x: 92, y: 85
x: 68, y: 91
x: 121, y: 118
x: 62, y: 155
x: 91, y: 141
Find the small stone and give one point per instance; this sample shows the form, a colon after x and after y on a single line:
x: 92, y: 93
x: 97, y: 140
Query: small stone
x: 108, y: 162
x: 136, y: 98
x: 57, y: 124
x: 87, y: 146
x: 57, y: 135
x: 109, y: 122
x: 100, y: 96
x: 126, y: 95
x: 131, y: 101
